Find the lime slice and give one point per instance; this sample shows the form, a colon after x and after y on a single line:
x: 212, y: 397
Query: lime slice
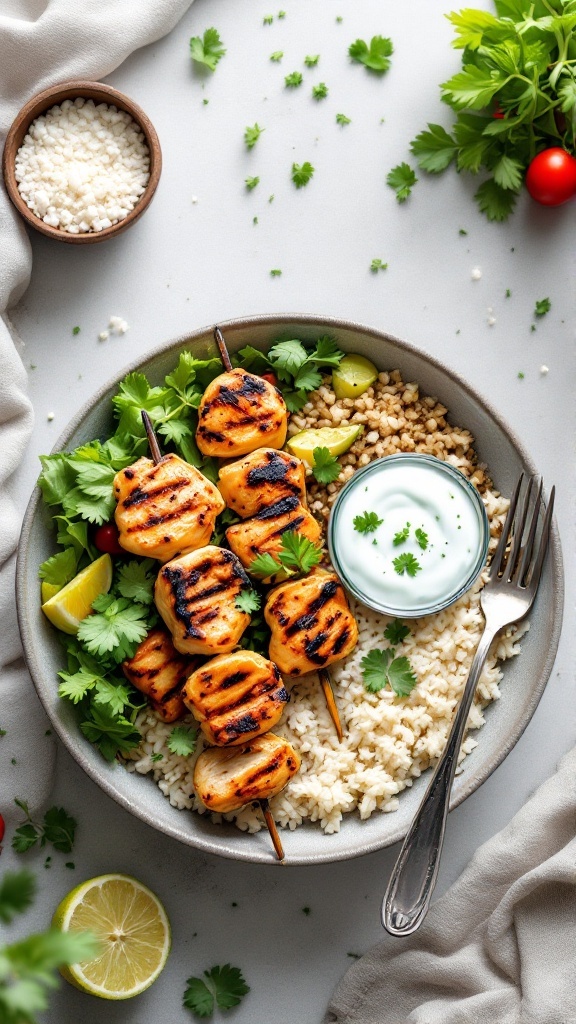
x: 336, y: 439
x: 72, y: 603
x: 353, y: 377
x: 130, y: 923
x: 48, y: 590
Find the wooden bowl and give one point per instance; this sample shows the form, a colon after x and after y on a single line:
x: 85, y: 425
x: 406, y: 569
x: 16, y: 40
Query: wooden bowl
x: 42, y: 102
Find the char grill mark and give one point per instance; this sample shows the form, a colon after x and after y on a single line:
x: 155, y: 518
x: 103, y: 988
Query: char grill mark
x: 267, y: 769
x: 179, y: 583
x: 340, y: 640
x: 166, y: 517
x: 309, y: 619
x: 140, y: 495
x: 279, y: 508
x: 210, y: 435
x: 275, y: 472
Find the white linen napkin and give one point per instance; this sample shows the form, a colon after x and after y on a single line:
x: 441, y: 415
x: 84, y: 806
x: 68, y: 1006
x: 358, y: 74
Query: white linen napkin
x: 500, y: 946
x: 42, y: 43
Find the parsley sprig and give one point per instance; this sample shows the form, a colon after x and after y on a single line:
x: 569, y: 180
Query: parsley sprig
x: 182, y: 740
x: 402, y: 179
x: 302, y: 173
x: 57, y: 828
x: 325, y: 467
x: 381, y: 667
x: 406, y: 563
x: 367, y: 522
x: 297, y: 556
x: 375, y: 55
x: 224, y: 987
x: 207, y: 49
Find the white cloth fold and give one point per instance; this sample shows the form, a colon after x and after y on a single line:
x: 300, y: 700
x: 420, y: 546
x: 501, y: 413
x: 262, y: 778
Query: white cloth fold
x: 500, y: 946
x: 42, y: 44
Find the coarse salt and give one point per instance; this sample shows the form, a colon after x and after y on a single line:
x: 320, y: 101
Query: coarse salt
x: 544, y: 370
x: 82, y: 166
x: 476, y: 274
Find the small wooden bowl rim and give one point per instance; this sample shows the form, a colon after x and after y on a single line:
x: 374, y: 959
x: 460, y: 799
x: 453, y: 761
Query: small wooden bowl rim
x: 42, y: 102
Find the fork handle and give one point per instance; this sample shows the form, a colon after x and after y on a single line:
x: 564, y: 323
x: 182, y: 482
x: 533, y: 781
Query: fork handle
x: 414, y: 875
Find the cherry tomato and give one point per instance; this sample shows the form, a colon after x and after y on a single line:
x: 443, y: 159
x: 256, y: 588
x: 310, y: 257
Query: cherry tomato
x: 498, y: 113
x: 271, y: 378
x: 551, y: 177
x: 106, y: 539
x: 2, y: 828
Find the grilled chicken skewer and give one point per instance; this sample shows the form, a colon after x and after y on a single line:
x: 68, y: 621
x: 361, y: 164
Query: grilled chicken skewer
x: 157, y: 670
x: 227, y: 778
x: 165, y: 507
x: 239, y: 411
x: 263, y: 533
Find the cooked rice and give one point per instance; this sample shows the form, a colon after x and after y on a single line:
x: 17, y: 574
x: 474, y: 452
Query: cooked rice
x: 388, y: 740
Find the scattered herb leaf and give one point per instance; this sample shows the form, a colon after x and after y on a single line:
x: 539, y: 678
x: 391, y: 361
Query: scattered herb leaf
x: 401, y: 536
x: 396, y: 632
x: 342, y: 119
x: 326, y: 467
x: 402, y: 179
x: 293, y: 80
x: 320, y: 91
x: 375, y: 56
x: 542, y: 307
x: 378, y: 265
x: 302, y: 173
x: 248, y: 601
x: 251, y: 183
x: 208, y: 49
x: 406, y: 563
x: 367, y: 522
x: 422, y: 538
x: 252, y: 134
x: 226, y: 989
x: 182, y: 740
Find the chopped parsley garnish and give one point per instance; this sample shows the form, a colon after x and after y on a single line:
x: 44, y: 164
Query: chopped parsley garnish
x: 422, y: 538
x: 508, y: 293
x: 381, y: 667
x: 275, y: 273
x: 462, y: 231
x: 521, y: 375
x: 320, y: 91
x: 252, y: 134
x: 302, y: 173
x: 406, y: 563
x: 374, y: 56
x: 58, y: 828
x: 251, y: 183
x: 402, y: 179
x: 281, y: 14
x: 297, y: 555
x: 248, y: 600
x: 267, y: 19
x: 342, y: 119
x: 401, y: 536
x: 293, y: 80
x: 396, y: 632
x: 542, y: 307
x: 367, y: 522
x: 157, y: 757
x: 226, y: 988
x: 208, y: 49
x: 75, y: 330
x: 326, y: 467
x: 378, y: 265
x: 277, y: 56
x: 311, y: 60
x: 182, y: 740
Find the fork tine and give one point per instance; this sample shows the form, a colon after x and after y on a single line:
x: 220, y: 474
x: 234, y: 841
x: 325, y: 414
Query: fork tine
x: 518, y: 531
x: 544, y: 538
x: 504, y: 536
x: 528, y: 548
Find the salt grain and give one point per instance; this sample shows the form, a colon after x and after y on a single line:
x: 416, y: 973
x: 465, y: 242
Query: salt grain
x: 476, y: 274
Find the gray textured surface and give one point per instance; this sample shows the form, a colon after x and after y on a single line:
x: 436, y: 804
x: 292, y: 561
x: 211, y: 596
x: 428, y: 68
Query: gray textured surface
x: 188, y: 264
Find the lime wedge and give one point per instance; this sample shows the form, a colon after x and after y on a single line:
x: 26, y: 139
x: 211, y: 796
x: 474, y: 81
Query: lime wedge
x: 132, y: 928
x: 336, y: 439
x: 353, y: 376
x: 72, y: 603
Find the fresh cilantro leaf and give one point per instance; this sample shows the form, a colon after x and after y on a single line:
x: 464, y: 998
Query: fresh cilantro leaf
x: 473, y: 87
x: 59, y: 829
x: 267, y: 19
x: 378, y: 265
x: 312, y: 60
x: 277, y: 56
x: 229, y: 985
x: 182, y: 740
x: 287, y: 357
x: 320, y: 91
x: 251, y: 135
x: 374, y: 667
x: 75, y: 330
x: 302, y: 173
x: 281, y: 14
x: 401, y: 677
x: 115, y: 628
x: 252, y: 359
x: 76, y: 685
x: 542, y: 307
x: 326, y: 467
x: 115, y: 695
x: 496, y: 202
x: 25, y: 837
x: 17, y: 890
x: 422, y: 538
x: 136, y: 580
x: 156, y: 757
x: 264, y: 566
x: 342, y: 119
x: 293, y: 80
x: 326, y: 353
x: 56, y: 478
x: 307, y: 379
x: 396, y: 632
x: 375, y: 57
x: 298, y: 552
x: 198, y: 998
x: 111, y: 733
x: 275, y: 273
x: 295, y: 400
x: 208, y: 49
x: 60, y: 568
x: 402, y: 179
x: 251, y: 183
x: 27, y: 970
x: 367, y: 522
x: 406, y: 563
x: 401, y: 536
x: 508, y: 172
x: 248, y: 601
x: 434, y: 149
x: 470, y: 26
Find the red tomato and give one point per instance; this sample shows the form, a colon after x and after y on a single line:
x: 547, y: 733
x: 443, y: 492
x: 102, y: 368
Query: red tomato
x: 498, y: 113
x: 106, y: 539
x: 271, y: 378
x: 551, y: 177
x: 2, y: 828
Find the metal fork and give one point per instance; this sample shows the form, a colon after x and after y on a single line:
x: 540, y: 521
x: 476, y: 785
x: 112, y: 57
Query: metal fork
x: 507, y: 597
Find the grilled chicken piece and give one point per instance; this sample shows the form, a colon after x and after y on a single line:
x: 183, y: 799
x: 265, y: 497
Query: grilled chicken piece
x: 196, y: 596
x: 311, y: 623
x: 236, y: 697
x: 239, y: 412
x: 164, y: 509
x: 262, y: 478
x: 226, y: 778
x: 157, y: 670
x: 263, y: 533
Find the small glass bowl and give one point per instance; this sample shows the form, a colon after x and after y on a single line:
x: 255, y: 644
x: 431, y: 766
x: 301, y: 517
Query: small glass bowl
x: 458, y: 478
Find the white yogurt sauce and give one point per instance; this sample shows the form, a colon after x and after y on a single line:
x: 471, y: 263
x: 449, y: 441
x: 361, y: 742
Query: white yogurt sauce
x: 409, y: 494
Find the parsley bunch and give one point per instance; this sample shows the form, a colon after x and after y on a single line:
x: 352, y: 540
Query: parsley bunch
x: 514, y: 97
x: 296, y: 366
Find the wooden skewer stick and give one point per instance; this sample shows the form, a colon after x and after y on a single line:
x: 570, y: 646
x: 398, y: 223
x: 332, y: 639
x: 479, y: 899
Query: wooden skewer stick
x: 271, y: 826
x: 224, y: 356
x: 152, y: 439
x: 326, y: 684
